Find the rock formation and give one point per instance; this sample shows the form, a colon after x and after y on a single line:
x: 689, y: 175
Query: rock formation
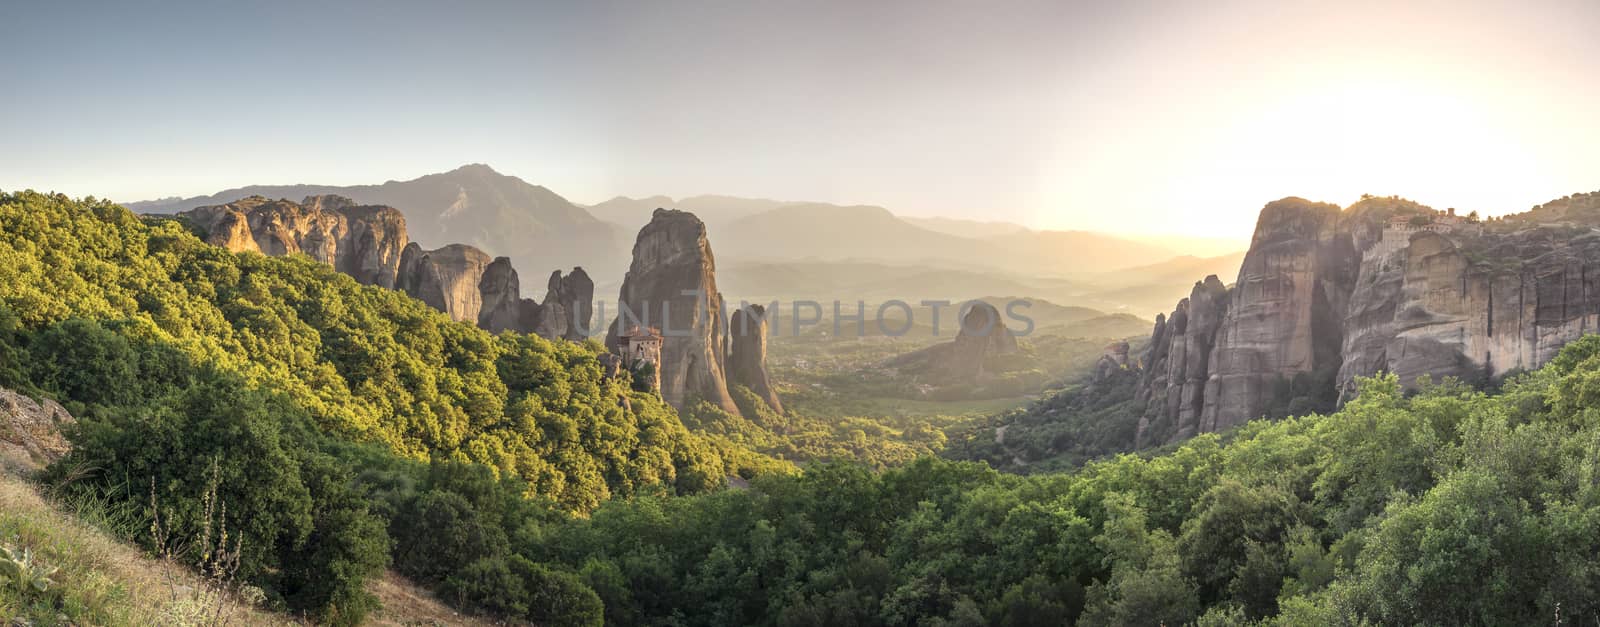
x: 983, y: 336
x: 370, y: 243
x: 30, y: 431
x: 1176, y: 371
x: 747, y: 353
x: 570, y: 299
x: 446, y: 279
x: 1325, y: 296
x: 503, y: 309
x: 500, y: 293
x: 1112, y: 360
x: 671, y: 285
x: 364, y: 242
x: 1284, y: 312
x: 474, y: 205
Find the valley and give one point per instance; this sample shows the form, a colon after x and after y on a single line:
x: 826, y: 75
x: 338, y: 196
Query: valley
x: 418, y: 382
x: 779, y: 314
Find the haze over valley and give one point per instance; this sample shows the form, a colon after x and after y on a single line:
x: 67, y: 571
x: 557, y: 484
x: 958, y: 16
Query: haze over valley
x: 689, y: 313
x: 781, y: 250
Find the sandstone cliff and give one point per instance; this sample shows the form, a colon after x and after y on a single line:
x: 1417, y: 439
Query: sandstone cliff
x: 570, y: 299
x: 747, y: 353
x: 671, y: 285
x: 362, y: 241
x: 1387, y: 285
x: 1177, y: 369
x: 474, y: 205
x: 446, y: 279
x: 370, y: 243
x: 1284, y: 313
x: 499, y: 292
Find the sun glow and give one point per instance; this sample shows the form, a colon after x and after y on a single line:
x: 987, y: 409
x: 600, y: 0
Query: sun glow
x: 1440, y: 145
x: 1448, y: 108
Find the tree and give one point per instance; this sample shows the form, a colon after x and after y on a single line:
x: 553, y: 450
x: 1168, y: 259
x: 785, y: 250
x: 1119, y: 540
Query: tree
x: 644, y: 377
x: 558, y: 599
x: 441, y: 533
x: 84, y: 362
x: 1146, y: 586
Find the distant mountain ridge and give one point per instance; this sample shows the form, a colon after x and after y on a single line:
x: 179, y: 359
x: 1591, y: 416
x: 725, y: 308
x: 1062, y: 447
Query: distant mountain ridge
x: 967, y: 228
x: 762, y: 229
x: 538, y: 228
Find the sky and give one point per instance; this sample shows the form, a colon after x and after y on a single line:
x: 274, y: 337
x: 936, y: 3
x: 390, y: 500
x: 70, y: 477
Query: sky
x: 1128, y: 117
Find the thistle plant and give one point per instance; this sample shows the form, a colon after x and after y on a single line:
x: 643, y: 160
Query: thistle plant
x: 21, y: 570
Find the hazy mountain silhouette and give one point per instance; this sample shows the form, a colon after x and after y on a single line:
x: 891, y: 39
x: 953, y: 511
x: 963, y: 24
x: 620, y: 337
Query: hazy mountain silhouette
x: 539, y: 230
x: 868, y: 233
x: 715, y: 211
x: 966, y: 228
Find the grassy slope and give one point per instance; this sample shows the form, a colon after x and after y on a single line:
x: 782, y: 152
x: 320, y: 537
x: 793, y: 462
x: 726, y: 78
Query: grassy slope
x: 101, y: 581
x: 104, y: 581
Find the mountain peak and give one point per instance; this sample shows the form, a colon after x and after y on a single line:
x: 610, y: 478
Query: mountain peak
x: 474, y: 168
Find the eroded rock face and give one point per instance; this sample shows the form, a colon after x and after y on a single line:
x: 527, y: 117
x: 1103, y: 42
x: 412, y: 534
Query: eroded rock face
x: 1112, y: 360
x: 1325, y: 296
x: 370, y: 243
x: 1285, y: 313
x: 30, y: 431
x: 504, y: 308
x: 446, y: 279
x: 501, y: 295
x: 1444, y: 315
x: 747, y: 353
x: 1177, y: 375
x: 983, y: 335
x: 570, y: 301
x: 671, y: 285
x: 364, y: 242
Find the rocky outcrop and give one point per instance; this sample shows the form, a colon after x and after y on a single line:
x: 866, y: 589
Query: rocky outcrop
x: 365, y: 242
x: 1434, y: 311
x: 747, y: 353
x: 474, y: 205
x: 982, y: 337
x: 1325, y: 296
x: 446, y: 279
x: 499, y: 292
x: 671, y: 285
x: 370, y: 243
x: 504, y: 310
x: 1176, y: 375
x: 1285, y: 311
x: 570, y: 302
x: 1113, y: 359
x: 30, y: 431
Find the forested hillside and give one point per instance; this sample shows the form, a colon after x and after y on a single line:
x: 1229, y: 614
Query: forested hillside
x: 334, y: 430
x: 1450, y: 507
x: 280, y: 379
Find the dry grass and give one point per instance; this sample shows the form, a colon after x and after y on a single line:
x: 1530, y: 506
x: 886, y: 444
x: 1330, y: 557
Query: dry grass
x: 100, y: 581
x: 104, y: 581
x: 406, y: 604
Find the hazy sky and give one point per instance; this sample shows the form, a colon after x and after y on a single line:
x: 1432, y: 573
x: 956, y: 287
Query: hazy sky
x: 1181, y: 117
